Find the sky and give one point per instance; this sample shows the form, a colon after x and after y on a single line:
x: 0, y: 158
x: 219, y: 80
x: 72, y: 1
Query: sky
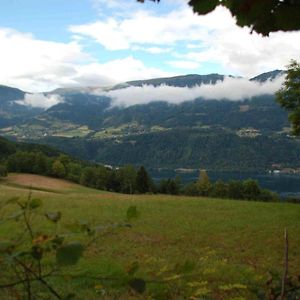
x: 53, y: 44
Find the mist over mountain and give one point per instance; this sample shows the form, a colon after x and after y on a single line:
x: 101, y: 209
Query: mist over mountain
x: 211, y: 121
x: 11, y: 111
x: 224, y: 88
x: 173, y: 90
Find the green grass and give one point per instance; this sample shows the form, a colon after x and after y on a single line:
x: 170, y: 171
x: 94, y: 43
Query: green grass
x: 230, y: 242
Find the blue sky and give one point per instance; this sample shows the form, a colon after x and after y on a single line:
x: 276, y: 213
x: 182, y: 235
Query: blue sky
x: 64, y: 43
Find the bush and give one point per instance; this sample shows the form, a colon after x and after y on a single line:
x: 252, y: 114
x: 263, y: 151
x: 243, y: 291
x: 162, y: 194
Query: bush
x: 268, y: 196
x: 220, y: 190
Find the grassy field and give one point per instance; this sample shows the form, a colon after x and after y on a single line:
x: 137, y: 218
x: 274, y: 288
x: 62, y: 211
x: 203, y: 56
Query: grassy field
x: 233, y: 246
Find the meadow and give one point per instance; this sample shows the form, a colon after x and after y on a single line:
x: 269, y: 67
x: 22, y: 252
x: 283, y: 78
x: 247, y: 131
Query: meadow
x: 186, y: 247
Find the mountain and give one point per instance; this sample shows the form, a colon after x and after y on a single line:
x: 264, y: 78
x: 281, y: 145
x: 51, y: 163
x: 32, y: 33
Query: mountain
x: 267, y: 76
x: 251, y: 133
x: 8, y: 94
x: 12, y: 112
x: 180, y: 81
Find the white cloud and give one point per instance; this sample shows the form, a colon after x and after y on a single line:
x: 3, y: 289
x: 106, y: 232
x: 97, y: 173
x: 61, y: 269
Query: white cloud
x: 144, y: 28
x: 119, y: 70
x: 34, y: 64
x: 152, y: 50
x: 248, y: 54
x: 37, y: 66
x: 189, y: 40
x: 213, y: 38
x: 230, y: 89
x: 40, y: 100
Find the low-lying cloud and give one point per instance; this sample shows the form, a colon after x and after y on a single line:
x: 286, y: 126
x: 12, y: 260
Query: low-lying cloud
x: 40, y: 100
x: 233, y: 89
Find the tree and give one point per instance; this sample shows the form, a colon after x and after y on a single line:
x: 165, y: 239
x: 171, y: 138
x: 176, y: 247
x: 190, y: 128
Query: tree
x: 21, y: 161
x: 263, y: 16
x: 289, y: 95
x: 220, y: 189
x: 127, y: 177
x: 170, y: 186
x: 204, y: 185
x: 74, y: 172
x: 235, y: 189
x: 251, y: 189
x: 142, y: 181
x: 88, y: 177
x: 40, y: 164
x: 3, y: 171
x: 58, y: 169
x: 191, y: 189
x: 101, y: 174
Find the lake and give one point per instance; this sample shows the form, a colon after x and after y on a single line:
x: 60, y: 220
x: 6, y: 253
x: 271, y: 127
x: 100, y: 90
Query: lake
x: 283, y: 184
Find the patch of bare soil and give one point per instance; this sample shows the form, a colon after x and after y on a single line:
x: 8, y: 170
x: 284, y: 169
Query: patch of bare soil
x: 39, y: 181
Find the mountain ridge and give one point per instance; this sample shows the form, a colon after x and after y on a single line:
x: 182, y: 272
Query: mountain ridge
x: 190, y: 78
x: 218, y: 134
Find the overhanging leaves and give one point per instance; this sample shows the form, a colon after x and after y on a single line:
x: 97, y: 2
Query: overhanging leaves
x: 204, y: 6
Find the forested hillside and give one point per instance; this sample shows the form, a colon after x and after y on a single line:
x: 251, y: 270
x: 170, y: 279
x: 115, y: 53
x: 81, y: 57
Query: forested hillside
x: 217, y: 134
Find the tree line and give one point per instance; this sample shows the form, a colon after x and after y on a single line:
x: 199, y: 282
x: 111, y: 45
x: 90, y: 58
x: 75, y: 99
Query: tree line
x: 128, y: 179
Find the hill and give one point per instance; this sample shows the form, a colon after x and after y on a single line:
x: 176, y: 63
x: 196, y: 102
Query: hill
x: 216, y: 134
x: 221, y: 243
x: 8, y: 147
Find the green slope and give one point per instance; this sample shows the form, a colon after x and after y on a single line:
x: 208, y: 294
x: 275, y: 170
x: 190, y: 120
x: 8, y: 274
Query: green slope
x: 232, y: 244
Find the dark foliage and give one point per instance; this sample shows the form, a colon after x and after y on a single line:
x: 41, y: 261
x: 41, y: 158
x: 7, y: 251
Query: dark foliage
x: 289, y: 96
x: 262, y: 16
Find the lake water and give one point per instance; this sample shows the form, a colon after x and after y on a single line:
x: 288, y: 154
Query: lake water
x: 284, y: 184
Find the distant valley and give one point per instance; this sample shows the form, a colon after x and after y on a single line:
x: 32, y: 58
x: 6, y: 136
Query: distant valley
x: 247, y: 134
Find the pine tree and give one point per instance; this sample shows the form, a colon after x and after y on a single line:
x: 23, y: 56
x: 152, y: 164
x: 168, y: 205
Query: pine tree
x: 204, y: 185
x: 142, y: 181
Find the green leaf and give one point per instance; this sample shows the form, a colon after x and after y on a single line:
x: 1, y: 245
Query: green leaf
x: 132, y: 213
x: 35, y: 203
x: 138, y: 285
x: 53, y: 216
x: 69, y: 254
